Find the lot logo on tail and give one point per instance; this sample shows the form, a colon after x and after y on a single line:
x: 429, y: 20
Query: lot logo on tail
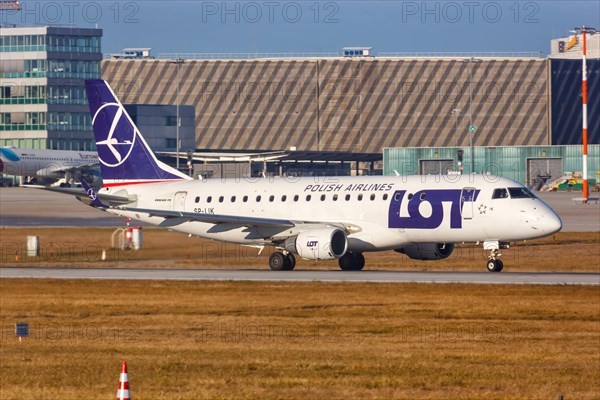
x: 425, y: 208
x: 111, y: 151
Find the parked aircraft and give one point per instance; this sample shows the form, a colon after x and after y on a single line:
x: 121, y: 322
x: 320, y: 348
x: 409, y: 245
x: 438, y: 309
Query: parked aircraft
x: 48, y: 164
x: 337, y: 218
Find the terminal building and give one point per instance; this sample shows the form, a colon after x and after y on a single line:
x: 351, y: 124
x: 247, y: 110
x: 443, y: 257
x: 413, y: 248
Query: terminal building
x: 345, y: 108
x: 42, y: 91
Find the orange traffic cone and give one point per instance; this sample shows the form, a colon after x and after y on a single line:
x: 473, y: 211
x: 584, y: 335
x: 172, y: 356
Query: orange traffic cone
x: 123, y: 390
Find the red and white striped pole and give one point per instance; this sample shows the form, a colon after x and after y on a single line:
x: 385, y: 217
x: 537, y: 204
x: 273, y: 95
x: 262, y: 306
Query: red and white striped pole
x: 586, y: 189
x: 584, y: 31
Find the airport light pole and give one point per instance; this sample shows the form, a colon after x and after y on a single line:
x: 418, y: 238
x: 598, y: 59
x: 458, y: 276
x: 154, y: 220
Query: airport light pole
x: 456, y: 113
x: 584, y: 30
x: 178, y: 63
x: 472, y: 128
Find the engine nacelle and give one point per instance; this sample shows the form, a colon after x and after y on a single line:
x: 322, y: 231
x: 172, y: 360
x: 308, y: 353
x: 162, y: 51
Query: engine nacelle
x: 427, y: 251
x: 49, y: 173
x: 318, y: 244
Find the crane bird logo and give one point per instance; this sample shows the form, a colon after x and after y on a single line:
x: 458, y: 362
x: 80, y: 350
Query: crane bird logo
x: 116, y: 148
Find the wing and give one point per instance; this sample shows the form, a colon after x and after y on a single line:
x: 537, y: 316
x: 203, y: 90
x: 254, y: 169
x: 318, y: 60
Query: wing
x: 270, y: 227
x: 70, y: 168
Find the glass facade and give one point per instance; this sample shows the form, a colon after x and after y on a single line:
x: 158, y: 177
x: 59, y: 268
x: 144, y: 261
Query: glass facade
x: 52, y: 43
x: 69, y: 69
x: 43, y: 92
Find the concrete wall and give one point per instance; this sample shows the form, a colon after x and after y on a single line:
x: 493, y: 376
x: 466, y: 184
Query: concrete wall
x: 338, y: 104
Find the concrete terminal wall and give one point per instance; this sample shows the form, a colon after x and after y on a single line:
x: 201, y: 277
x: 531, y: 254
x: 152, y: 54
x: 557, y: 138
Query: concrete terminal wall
x: 339, y: 104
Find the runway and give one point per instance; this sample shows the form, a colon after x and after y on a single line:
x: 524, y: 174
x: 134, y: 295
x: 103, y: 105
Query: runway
x: 503, y: 278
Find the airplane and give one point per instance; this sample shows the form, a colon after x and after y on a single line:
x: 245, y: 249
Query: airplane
x: 315, y: 218
x: 47, y: 164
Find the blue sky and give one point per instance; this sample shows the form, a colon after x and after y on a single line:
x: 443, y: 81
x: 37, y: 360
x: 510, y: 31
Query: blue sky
x: 174, y: 26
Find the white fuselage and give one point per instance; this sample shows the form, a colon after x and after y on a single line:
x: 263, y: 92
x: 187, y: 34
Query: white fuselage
x: 43, y: 163
x: 384, y: 212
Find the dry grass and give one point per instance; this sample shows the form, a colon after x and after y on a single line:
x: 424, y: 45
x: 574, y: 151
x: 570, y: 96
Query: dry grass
x: 82, y: 247
x: 307, y: 340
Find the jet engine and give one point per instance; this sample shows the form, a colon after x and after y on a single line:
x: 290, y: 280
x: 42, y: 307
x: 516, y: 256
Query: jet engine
x: 49, y: 173
x: 318, y: 244
x: 427, y: 251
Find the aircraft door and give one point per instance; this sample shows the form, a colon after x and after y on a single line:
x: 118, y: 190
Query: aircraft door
x: 179, y: 201
x: 466, y: 202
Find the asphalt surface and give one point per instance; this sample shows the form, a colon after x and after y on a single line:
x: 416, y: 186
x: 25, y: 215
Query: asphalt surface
x: 35, y: 207
x: 502, y: 278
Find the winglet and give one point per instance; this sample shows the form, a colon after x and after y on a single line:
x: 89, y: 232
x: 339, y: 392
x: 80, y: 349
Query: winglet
x: 95, y: 201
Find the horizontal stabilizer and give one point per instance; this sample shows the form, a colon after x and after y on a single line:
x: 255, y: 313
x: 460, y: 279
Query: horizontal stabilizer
x: 83, y: 196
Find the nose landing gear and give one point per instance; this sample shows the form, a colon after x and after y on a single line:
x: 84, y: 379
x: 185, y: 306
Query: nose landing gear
x: 494, y: 264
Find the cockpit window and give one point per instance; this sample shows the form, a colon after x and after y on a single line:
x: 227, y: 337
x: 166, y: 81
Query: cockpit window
x: 521, y: 193
x: 500, y: 193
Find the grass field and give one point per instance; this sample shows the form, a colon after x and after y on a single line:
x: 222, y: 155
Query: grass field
x: 193, y: 340
x: 83, y: 246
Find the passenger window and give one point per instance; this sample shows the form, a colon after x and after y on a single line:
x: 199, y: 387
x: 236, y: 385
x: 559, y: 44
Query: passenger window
x: 233, y: 199
x: 221, y: 198
x: 245, y: 199
x: 296, y: 197
x: 271, y: 198
x: 197, y: 199
x: 397, y: 197
x: 283, y: 198
x: 322, y: 197
x: 258, y: 199
x: 410, y: 196
x: 335, y: 197
x: 422, y: 197
x: 385, y: 196
x: 209, y: 199
x: 348, y: 197
x: 308, y: 197
x: 360, y: 196
x: 372, y: 197
x: 500, y: 193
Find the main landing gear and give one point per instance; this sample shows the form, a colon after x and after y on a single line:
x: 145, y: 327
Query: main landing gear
x: 494, y: 264
x: 282, y: 262
x: 352, y: 262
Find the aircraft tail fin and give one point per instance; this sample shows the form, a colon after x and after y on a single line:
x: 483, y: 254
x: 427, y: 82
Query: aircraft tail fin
x: 125, y: 157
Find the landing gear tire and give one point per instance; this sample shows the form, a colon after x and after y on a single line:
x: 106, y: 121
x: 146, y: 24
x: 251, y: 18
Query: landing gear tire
x: 494, y: 265
x: 352, y: 262
x: 290, y: 262
x: 282, y: 262
x: 278, y: 261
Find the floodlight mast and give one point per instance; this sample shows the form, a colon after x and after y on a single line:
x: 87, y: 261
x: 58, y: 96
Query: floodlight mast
x: 584, y: 30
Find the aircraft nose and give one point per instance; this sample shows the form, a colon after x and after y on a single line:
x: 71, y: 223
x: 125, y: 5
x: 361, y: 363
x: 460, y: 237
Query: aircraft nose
x: 546, y: 221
